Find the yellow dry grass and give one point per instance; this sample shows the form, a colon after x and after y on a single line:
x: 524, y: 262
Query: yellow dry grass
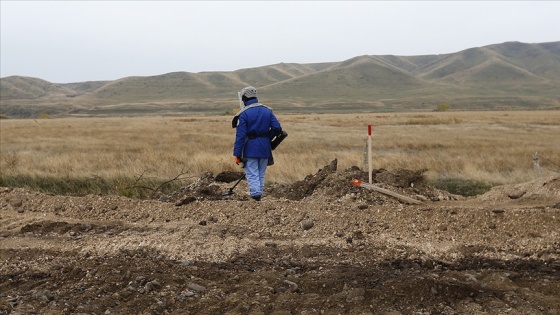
x: 494, y: 147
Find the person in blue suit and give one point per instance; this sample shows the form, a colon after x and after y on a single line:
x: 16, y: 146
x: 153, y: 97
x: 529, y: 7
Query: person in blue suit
x: 256, y: 125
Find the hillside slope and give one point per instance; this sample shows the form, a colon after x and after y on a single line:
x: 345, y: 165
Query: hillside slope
x: 502, y: 76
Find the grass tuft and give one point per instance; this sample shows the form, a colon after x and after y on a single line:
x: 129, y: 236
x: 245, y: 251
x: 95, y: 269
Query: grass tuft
x: 433, y: 121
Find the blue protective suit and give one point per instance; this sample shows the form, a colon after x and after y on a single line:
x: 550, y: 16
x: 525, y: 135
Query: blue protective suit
x: 256, y: 126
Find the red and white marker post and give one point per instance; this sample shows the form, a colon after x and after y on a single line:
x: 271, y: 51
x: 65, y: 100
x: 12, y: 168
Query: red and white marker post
x: 369, y: 153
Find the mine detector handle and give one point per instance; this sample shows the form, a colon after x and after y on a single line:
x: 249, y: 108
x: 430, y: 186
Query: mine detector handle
x: 240, y: 100
x: 235, y: 119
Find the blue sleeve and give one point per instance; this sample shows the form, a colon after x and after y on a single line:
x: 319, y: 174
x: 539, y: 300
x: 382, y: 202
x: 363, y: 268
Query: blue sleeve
x: 240, y: 135
x: 275, y: 127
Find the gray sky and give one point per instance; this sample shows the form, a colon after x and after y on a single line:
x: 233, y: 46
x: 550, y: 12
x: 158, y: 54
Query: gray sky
x: 76, y: 41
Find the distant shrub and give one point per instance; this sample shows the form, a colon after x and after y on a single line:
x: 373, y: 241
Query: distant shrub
x: 443, y: 107
x: 232, y: 111
x: 3, y: 116
x: 44, y: 116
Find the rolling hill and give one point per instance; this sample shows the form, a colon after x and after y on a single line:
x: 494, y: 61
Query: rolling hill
x: 510, y: 75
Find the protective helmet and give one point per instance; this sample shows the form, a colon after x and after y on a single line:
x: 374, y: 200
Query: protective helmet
x: 249, y: 92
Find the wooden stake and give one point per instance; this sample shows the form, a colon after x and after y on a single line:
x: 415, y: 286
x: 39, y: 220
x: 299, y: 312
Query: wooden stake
x: 359, y: 183
x: 369, y: 155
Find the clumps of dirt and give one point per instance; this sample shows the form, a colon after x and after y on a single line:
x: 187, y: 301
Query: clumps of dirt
x: 331, y: 185
x: 305, y: 187
x: 326, y: 184
x: 48, y: 227
x: 401, y: 178
x: 341, y: 250
x: 228, y: 176
x: 547, y: 188
x: 204, y: 188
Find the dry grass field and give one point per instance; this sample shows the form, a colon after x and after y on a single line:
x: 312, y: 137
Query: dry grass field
x: 488, y: 147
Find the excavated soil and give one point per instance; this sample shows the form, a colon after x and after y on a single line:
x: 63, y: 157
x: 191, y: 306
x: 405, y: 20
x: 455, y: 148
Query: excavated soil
x: 318, y: 246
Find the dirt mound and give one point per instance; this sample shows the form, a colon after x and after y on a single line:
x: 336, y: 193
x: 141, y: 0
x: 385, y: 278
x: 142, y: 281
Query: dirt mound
x: 327, y: 184
x: 542, y: 188
x: 307, y: 186
x: 333, y: 248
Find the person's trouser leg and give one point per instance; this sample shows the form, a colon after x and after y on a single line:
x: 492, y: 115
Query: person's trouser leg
x: 255, y: 170
x: 263, y: 163
x: 252, y: 174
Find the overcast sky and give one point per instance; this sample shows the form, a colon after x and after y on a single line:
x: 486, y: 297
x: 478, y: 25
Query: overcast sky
x: 77, y: 41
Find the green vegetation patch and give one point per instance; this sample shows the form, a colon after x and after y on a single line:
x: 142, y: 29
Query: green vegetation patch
x: 122, y: 186
x: 463, y: 187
